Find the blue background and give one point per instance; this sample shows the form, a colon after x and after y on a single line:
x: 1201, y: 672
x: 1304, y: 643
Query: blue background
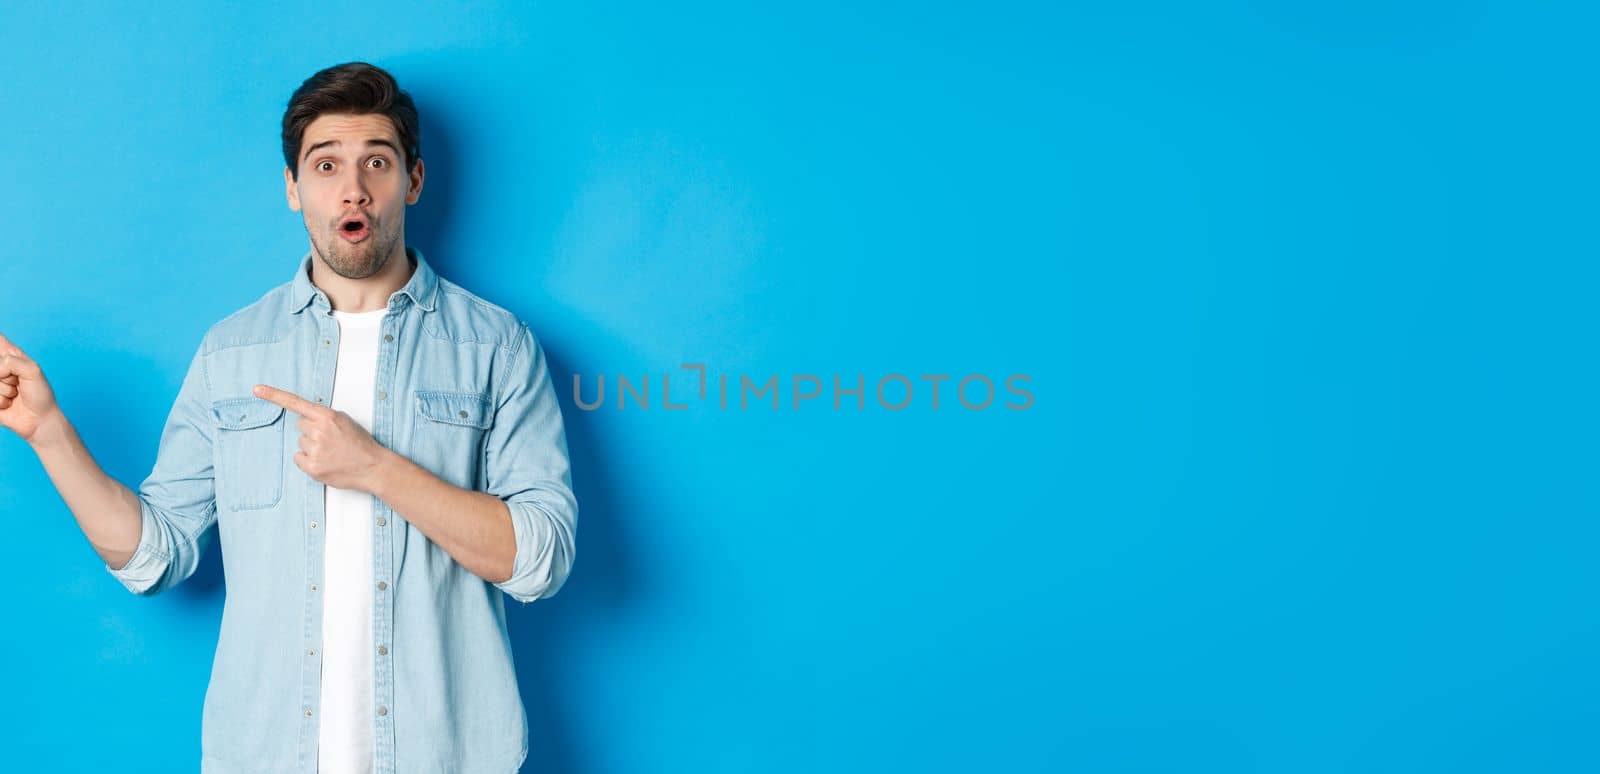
x: 1305, y: 293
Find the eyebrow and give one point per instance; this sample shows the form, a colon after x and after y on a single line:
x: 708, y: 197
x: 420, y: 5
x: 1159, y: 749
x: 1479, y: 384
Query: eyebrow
x: 375, y: 141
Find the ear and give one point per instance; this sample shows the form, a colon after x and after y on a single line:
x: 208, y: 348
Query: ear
x: 414, y: 189
x: 290, y: 190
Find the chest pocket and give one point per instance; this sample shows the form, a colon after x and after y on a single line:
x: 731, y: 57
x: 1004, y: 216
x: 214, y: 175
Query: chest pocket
x: 448, y: 434
x: 249, y: 453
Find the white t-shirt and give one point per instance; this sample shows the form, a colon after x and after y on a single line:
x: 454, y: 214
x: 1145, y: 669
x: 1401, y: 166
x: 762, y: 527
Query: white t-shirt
x: 345, y: 732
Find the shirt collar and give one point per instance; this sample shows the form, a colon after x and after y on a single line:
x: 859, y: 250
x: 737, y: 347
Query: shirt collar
x: 422, y: 288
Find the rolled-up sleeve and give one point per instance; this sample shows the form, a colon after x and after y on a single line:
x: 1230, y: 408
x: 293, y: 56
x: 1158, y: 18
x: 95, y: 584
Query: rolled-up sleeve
x: 527, y: 467
x: 177, y: 501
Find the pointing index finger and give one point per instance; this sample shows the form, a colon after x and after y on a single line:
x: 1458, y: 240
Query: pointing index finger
x: 286, y: 399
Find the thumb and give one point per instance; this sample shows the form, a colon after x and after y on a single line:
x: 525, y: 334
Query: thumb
x: 18, y: 363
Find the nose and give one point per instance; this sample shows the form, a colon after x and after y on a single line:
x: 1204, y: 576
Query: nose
x: 355, y: 191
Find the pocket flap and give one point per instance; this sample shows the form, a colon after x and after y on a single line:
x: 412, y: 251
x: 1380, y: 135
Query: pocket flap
x: 457, y: 408
x: 244, y: 413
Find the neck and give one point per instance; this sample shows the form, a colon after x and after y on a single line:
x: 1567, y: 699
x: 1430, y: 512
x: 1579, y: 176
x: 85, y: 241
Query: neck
x: 368, y: 294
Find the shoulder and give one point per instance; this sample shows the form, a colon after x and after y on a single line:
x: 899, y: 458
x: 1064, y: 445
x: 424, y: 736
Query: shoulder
x: 260, y: 322
x: 459, y: 316
x: 464, y: 317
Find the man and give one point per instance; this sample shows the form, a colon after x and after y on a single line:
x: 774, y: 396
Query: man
x: 381, y: 453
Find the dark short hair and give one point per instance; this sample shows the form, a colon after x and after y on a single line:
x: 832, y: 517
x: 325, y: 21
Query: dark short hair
x: 353, y: 88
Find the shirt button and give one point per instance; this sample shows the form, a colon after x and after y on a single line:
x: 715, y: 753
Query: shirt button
x: 462, y: 413
x: 381, y: 522
x: 313, y: 587
x: 382, y: 585
x: 319, y: 398
x: 382, y: 395
x: 308, y: 712
x: 387, y: 337
x: 383, y: 650
x: 326, y: 343
x: 383, y: 710
x: 311, y: 652
x: 313, y: 525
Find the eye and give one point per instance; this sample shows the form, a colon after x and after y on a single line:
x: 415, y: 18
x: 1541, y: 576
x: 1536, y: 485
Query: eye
x: 324, y: 166
x: 380, y: 161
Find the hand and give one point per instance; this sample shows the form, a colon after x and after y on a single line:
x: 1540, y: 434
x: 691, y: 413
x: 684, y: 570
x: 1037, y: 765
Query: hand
x: 334, y: 449
x: 26, y: 400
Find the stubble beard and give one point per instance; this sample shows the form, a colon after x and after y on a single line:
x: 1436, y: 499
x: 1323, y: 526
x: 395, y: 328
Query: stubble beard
x: 356, y: 261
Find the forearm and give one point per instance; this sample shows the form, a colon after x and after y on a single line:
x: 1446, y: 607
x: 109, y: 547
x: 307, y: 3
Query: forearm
x: 106, y: 511
x: 473, y: 527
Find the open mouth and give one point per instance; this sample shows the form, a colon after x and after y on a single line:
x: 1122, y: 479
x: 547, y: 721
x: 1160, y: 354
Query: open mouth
x: 353, y: 230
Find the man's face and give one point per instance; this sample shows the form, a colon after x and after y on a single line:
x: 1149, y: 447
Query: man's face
x: 352, y: 171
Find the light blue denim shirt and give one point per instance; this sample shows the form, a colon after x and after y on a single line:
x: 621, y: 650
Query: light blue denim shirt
x: 463, y: 391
